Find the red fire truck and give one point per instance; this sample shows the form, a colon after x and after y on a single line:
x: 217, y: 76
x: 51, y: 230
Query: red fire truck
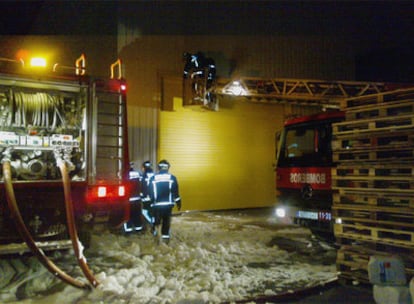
x: 303, y: 171
x: 63, y: 139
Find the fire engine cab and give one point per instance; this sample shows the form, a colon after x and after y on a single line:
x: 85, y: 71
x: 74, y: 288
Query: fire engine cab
x: 303, y: 170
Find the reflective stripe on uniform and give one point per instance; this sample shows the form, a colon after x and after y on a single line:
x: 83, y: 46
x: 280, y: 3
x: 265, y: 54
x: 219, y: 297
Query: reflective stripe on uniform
x: 162, y: 178
x: 126, y: 229
x: 162, y: 204
x: 147, y: 216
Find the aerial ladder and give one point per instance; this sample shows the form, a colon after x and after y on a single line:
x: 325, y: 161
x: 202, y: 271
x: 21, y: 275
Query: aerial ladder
x: 306, y: 92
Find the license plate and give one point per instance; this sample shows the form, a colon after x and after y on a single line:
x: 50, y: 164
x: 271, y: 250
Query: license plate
x: 324, y: 216
x: 316, y: 216
x: 310, y: 215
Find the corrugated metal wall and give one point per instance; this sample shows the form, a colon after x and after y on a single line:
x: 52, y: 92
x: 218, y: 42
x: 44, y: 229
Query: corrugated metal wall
x: 223, y: 159
x: 309, y: 57
x: 142, y: 135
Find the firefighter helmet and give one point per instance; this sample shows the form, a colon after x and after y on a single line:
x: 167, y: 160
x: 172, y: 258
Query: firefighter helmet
x: 163, y: 165
x: 147, y: 165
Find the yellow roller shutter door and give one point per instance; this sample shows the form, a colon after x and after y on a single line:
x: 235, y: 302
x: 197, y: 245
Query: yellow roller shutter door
x: 223, y: 159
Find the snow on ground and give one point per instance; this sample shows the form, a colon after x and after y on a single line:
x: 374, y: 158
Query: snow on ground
x: 211, y: 258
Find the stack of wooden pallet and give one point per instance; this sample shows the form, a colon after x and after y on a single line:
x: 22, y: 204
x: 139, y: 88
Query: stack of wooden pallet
x: 373, y: 181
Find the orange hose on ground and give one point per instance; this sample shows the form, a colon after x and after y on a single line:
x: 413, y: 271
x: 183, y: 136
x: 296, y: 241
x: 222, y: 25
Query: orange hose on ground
x: 25, y: 234
x: 71, y: 224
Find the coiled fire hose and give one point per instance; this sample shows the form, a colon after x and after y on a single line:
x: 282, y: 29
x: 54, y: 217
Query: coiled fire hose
x: 25, y: 234
x: 71, y: 224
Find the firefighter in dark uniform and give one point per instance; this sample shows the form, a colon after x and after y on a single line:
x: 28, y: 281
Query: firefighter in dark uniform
x: 135, y: 217
x: 199, y: 64
x: 146, y: 174
x: 164, y: 196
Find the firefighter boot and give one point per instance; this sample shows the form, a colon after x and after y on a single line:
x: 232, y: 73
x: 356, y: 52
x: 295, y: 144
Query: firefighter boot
x: 153, y: 230
x: 128, y: 227
x: 165, y: 239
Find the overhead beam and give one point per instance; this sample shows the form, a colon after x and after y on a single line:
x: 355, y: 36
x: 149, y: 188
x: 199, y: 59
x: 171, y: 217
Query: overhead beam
x: 298, y: 91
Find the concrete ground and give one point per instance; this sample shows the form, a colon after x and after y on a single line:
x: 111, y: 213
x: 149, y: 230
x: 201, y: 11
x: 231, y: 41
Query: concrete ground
x: 340, y: 294
x: 332, y: 293
x: 335, y: 293
x: 115, y: 256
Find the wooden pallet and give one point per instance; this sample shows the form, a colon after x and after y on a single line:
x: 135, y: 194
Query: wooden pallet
x: 375, y: 248
x: 373, y: 198
x: 358, y: 258
x: 390, y: 169
x: 365, y: 232
x: 374, y: 182
x: 392, y: 217
x: 348, y: 271
x: 380, y: 124
x: 352, y: 262
x: 376, y: 99
x: 372, y: 140
x: 394, y: 108
x: 380, y: 154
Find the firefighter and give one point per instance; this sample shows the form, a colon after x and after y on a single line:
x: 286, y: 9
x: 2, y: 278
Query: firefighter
x: 164, y: 196
x: 199, y: 64
x: 146, y: 174
x: 135, y: 217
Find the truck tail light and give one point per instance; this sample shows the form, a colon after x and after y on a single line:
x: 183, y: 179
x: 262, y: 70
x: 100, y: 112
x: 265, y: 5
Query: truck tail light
x: 121, y: 191
x: 101, y: 191
x: 106, y: 192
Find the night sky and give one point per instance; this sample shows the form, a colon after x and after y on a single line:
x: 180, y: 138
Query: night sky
x: 211, y: 17
x: 368, y: 21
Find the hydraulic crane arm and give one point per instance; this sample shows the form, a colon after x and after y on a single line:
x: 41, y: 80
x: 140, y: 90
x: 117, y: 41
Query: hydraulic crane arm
x: 299, y: 91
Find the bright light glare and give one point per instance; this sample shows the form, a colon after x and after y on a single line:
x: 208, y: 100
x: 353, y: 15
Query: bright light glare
x: 121, y: 191
x: 236, y: 88
x: 338, y: 220
x: 101, y: 191
x: 38, y: 62
x: 280, y: 212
